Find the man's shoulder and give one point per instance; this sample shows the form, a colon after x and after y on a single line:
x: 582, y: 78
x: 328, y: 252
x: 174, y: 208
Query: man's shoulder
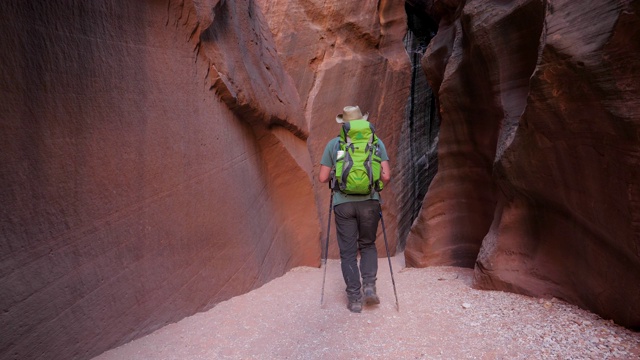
x: 332, y: 143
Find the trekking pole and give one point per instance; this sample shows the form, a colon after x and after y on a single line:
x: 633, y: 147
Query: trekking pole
x: 386, y: 245
x: 326, y: 249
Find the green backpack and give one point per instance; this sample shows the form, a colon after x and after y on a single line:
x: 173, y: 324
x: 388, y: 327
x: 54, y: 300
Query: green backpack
x: 358, y: 163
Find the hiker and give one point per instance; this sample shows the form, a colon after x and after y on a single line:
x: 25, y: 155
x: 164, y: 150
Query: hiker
x: 356, y: 214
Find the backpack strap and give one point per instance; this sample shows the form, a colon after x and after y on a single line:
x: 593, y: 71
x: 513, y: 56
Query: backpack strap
x: 368, y: 165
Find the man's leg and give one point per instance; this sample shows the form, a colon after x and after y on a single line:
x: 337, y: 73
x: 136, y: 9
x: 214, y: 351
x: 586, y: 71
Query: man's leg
x: 347, y: 233
x: 368, y: 218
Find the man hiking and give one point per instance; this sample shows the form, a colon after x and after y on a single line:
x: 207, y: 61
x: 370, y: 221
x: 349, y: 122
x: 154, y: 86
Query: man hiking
x: 357, y: 163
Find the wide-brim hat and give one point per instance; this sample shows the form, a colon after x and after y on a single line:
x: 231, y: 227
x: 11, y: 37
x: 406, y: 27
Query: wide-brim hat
x: 351, y: 113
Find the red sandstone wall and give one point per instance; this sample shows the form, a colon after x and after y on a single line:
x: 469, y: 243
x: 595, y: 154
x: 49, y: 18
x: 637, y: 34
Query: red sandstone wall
x: 342, y: 53
x: 143, y: 147
x: 152, y: 164
x: 538, y: 176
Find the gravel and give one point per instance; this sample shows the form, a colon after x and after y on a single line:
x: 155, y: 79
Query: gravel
x: 439, y: 317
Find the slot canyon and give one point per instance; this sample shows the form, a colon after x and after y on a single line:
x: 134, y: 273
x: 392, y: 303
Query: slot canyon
x: 159, y: 157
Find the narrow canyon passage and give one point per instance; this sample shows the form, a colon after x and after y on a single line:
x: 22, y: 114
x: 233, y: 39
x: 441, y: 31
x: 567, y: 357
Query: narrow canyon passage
x: 159, y: 161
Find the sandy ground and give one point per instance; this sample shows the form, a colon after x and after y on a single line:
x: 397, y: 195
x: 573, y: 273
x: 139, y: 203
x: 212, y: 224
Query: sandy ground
x: 440, y: 317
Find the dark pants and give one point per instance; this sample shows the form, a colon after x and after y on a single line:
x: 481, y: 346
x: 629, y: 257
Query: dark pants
x: 356, y: 228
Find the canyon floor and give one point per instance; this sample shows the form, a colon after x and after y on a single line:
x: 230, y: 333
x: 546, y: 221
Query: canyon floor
x: 440, y: 316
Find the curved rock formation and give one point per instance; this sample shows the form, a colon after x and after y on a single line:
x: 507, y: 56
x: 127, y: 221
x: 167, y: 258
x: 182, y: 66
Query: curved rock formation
x: 538, y: 150
x: 459, y: 204
x: 153, y: 163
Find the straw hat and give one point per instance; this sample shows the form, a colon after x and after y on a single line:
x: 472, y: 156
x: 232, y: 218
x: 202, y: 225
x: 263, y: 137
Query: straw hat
x: 351, y: 113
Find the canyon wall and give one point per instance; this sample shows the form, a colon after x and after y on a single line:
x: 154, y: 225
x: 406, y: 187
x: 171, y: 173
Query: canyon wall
x: 158, y: 157
x: 538, y: 182
x: 153, y: 162
x: 342, y: 53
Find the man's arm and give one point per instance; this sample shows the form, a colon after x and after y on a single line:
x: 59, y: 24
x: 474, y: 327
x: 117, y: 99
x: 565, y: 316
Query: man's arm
x: 325, y: 173
x: 386, y: 172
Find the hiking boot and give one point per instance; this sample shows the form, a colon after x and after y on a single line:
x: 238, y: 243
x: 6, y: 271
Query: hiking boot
x: 370, y: 296
x: 355, y: 306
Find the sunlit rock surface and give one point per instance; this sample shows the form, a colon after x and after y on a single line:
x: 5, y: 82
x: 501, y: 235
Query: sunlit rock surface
x: 347, y: 53
x: 538, y: 155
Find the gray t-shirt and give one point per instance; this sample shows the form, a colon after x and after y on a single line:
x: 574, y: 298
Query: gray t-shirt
x: 329, y: 159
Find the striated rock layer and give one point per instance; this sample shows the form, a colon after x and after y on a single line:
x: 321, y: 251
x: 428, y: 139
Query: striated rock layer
x: 538, y: 176
x: 152, y: 164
